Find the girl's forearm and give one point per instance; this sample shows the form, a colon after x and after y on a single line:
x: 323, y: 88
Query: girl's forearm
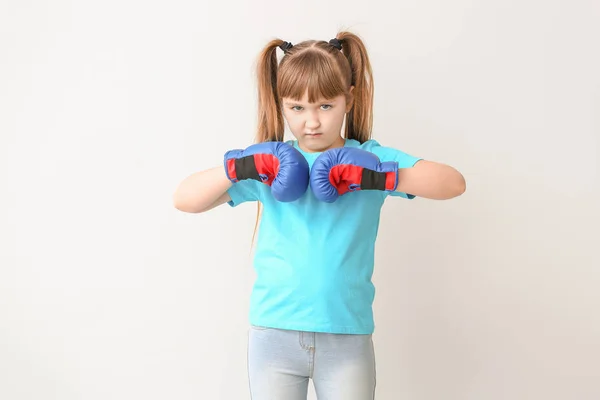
x: 202, y: 190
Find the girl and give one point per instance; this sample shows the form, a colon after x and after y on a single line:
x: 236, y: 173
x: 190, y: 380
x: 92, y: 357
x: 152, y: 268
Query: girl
x: 311, y: 305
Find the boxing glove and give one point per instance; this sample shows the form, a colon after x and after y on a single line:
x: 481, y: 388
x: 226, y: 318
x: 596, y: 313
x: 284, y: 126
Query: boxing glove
x: 275, y: 164
x: 346, y: 169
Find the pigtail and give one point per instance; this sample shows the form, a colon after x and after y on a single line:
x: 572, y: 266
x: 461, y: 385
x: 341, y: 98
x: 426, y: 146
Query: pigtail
x: 359, y: 121
x: 270, y: 117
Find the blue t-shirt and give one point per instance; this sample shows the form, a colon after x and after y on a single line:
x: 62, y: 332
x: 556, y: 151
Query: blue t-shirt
x: 314, y: 260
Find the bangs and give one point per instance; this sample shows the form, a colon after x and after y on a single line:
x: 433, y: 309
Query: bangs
x: 314, y: 71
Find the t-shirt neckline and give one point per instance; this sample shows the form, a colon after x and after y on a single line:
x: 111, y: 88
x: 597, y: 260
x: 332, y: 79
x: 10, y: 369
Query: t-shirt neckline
x: 313, y: 154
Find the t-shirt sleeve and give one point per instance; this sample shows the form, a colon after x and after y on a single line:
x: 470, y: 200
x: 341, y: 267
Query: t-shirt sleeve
x: 243, y: 191
x: 403, y: 159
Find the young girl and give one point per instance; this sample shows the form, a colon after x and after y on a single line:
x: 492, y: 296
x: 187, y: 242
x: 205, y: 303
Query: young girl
x: 311, y: 305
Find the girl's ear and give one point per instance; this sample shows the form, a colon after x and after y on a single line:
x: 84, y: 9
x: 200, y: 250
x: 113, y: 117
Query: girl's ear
x: 349, y: 100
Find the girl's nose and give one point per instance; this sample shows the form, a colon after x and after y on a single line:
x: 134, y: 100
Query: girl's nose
x: 312, y: 120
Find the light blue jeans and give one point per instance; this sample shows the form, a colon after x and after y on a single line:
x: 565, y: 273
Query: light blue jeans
x: 281, y: 362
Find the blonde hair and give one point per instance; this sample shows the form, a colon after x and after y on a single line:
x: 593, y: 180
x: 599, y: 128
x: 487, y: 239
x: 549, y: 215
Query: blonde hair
x: 325, y: 72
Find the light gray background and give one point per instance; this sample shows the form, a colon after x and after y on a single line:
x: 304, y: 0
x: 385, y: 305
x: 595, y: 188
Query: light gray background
x: 108, y: 292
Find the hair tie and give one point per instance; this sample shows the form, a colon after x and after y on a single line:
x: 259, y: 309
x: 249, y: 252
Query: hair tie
x: 336, y: 43
x: 285, y: 46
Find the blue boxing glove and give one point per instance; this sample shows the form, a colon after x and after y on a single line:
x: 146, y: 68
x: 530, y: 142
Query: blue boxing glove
x: 346, y: 169
x: 275, y: 164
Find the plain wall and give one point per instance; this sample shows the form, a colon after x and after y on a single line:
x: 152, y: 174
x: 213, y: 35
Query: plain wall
x: 108, y: 292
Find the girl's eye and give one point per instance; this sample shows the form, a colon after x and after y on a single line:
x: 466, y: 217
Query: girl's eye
x: 323, y: 107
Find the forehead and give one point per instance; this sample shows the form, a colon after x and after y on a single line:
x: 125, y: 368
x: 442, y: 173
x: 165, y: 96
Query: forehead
x: 304, y: 99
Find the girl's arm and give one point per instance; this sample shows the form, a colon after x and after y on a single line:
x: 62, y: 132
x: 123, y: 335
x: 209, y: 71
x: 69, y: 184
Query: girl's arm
x: 202, y: 191
x: 431, y: 180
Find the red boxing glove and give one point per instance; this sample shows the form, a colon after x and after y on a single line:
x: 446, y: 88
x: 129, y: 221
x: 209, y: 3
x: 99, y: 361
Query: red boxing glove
x: 275, y: 164
x: 347, y: 169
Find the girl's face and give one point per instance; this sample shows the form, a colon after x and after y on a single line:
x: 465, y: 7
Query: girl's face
x: 316, y: 126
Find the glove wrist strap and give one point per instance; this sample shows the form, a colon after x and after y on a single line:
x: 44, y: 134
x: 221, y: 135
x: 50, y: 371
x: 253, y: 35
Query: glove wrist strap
x: 373, y: 180
x: 242, y: 168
